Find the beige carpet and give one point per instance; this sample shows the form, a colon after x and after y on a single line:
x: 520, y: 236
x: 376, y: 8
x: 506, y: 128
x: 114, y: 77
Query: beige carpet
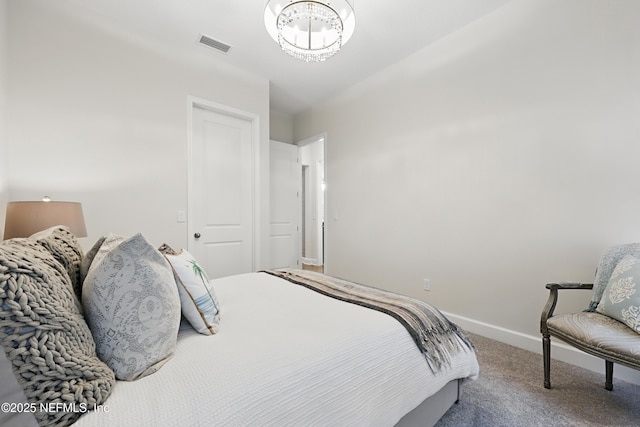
x: 509, y: 392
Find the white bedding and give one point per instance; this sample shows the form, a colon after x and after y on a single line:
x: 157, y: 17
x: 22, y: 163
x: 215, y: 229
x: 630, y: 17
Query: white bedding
x: 284, y: 356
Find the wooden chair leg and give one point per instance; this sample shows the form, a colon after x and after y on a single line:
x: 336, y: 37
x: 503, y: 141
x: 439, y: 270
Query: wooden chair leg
x: 609, y: 375
x: 546, y: 358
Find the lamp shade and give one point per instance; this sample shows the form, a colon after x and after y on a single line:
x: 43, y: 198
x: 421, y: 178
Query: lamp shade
x: 26, y: 218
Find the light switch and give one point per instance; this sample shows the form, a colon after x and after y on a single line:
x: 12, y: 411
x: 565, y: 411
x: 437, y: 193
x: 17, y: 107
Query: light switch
x: 181, y: 216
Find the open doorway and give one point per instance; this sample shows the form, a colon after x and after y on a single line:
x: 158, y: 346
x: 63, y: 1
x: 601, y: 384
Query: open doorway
x: 312, y: 203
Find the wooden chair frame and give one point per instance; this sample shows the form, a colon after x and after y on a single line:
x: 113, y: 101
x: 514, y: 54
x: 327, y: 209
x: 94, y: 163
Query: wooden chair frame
x: 547, y: 312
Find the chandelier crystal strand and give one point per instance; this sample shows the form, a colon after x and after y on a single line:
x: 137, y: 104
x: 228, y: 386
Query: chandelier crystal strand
x: 310, y: 30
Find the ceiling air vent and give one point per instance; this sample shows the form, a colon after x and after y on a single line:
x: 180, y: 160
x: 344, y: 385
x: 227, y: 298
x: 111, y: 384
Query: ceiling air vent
x: 215, y: 44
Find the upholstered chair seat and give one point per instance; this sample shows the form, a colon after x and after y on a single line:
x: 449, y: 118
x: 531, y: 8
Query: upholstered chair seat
x: 599, y: 335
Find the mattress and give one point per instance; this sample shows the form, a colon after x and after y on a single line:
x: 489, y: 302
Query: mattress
x: 284, y: 356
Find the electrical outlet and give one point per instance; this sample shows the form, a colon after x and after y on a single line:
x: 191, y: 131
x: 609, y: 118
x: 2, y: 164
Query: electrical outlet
x: 427, y: 284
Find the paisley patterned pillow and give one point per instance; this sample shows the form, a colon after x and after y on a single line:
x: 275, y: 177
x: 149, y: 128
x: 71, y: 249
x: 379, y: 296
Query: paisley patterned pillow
x: 132, y: 306
x: 100, y: 249
x: 621, y: 297
x: 87, y: 259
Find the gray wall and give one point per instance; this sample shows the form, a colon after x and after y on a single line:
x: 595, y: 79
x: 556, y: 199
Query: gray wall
x: 281, y: 127
x: 498, y: 159
x: 4, y: 31
x: 100, y: 116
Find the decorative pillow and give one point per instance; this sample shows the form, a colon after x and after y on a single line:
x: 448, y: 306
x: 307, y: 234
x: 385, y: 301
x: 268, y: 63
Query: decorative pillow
x: 104, y: 246
x: 65, y: 248
x: 44, y: 335
x: 607, y: 264
x: 621, y: 297
x: 132, y: 307
x: 197, y: 298
x: 87, y: 259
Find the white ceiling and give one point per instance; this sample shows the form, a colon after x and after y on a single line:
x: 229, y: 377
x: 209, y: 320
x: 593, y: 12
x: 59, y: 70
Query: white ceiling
x: 386, y: 31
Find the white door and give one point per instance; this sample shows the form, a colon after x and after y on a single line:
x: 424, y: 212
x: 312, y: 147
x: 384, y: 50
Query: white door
x: 312, y: 159
x: 221, y: 193
x: 284, y: 204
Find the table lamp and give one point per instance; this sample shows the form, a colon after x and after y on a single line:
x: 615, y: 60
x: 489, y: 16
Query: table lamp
x: 26, y: 218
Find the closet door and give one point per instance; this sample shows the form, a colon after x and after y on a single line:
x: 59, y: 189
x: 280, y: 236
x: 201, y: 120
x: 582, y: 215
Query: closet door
x: 221, y: 219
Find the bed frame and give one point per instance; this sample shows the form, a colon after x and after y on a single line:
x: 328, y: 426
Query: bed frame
x: 429, y: 412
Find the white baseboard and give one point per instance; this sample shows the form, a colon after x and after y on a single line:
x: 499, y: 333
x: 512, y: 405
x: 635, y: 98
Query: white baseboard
x: 559, y: 350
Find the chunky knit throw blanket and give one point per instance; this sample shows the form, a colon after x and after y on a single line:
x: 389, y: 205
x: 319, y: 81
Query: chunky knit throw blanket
x: 67, y: 251
x: 45, y: 337
x: 436, y: 336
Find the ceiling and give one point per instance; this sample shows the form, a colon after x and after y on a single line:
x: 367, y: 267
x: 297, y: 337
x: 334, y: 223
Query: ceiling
x: 385, y: 32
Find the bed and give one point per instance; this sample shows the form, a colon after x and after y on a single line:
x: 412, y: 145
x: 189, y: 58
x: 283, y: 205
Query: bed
x: 287, y: 355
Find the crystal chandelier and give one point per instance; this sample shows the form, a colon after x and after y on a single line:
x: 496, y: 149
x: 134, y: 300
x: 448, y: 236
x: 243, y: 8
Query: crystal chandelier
x: 311, y: 30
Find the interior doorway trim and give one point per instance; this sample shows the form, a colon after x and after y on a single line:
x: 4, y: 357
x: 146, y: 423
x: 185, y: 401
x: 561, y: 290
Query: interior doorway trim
x: 195, y: 102
x: 321, y: 258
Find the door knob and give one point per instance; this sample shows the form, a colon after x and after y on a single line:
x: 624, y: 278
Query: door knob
x: 197, y: 235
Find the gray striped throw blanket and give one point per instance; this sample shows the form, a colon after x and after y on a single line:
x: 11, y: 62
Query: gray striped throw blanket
x: 436, y: 336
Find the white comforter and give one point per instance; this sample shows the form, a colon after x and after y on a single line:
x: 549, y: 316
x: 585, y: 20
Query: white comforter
x: 284, y: 356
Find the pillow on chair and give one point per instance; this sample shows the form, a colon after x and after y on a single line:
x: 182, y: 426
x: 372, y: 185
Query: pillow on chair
x: 608, y: 262
x: 621, y: 297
